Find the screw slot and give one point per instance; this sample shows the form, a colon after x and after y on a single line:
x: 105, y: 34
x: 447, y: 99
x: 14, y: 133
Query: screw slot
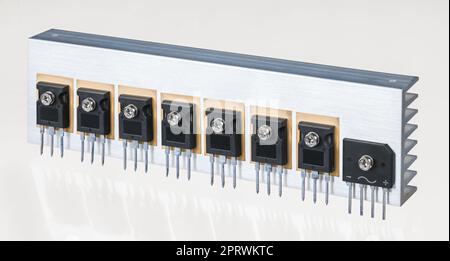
x: 88, y: 104
x: 264, y: 132
x: 365, y: 163
x: 47, y: 98
x: 218, y: 125
x: 312, y: 139
x: 130, y: 111
x: 173, y: 118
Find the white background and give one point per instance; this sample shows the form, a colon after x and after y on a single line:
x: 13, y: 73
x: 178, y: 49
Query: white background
x: 43, y: 198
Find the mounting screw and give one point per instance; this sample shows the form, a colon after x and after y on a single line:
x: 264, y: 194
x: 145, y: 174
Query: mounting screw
x: 218, y: 125
x: 264, y: 132
x: 312, y: 139
x: 47, y: 98
x: 130, y: 111
x: 365, y: 163
x: 173, y: 118
x: 88, y: 104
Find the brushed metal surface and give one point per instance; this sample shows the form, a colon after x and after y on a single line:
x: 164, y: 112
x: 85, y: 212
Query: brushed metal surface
x: 390, y: 80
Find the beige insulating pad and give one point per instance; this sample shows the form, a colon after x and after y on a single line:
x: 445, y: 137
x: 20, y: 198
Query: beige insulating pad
x: 103, y: 87
x: 227, y: 105
x: 264, y: 111
x: 144, y: 93
x: 322, y: 120
x: 60, y: 80
x: 197, y: 111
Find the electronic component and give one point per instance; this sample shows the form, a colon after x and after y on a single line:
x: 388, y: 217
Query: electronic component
x: 93, y: 118
x: 223, y: 138
x: 269, y: 147
x: 368, y: 164
x: 136, y: 125
x: 177, y: 131
x: 53, y: 111
x: 316, y: 154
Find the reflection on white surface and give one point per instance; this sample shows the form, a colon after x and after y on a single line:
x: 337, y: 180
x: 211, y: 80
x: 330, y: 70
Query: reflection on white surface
x: 84, y: 202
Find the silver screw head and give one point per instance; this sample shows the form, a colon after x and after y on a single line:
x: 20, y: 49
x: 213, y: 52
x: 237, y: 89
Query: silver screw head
x: 173, y: 118
x: 264, y: 132
x: 130, y: 111
x: 218, y: 125
x: 88, y: 104
x: 365, y: 163
x: 312, y: 139
x: 47, y: 98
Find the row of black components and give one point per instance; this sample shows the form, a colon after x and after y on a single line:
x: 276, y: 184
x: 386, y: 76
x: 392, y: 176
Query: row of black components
x: 365, y: 163
x: 53, y: 111
x: 316, y: 155
x: 177, y: 132
x: 223, y: 139
x: 269, y: 147
x: 135, y: 125
x: 93, y: 118
x: 368, y: 164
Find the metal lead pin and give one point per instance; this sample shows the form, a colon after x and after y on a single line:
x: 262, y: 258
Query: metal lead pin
x: 82, y: 146
x: 303, y: 185
x: 211, y: 160
x: 51, y: 132
x: 61, y: 142
x: 327, y: 187
x: 92, y: 141
x: 188, y: 156
x: 167, y: 152
x: 146, y: 156
x: 257, y: 167
x: 103, y: 149
x: 315, y: 177
x: 361, y: 199
x: 42, y: 131
x: 234, y: 163
x: 350, y: 197
x: 372, y: 201
x: 124, y: 145
x: 268, y: 169
x: 135, y: 146
x: 222, y: 161
x: 280, y: 180
x: 385, y: 194
x: 177, y: 153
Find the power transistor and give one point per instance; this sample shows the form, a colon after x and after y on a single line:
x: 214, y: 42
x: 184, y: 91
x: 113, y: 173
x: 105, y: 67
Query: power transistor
x: 53, y: 111
x: 135, y: 124
x: 368, y: 164
x: 316, y: 154
x: 269, y: 147
x: 186, y: 107
x: 177, y: 132
x: 223, y: 138
x: 93, y: 118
